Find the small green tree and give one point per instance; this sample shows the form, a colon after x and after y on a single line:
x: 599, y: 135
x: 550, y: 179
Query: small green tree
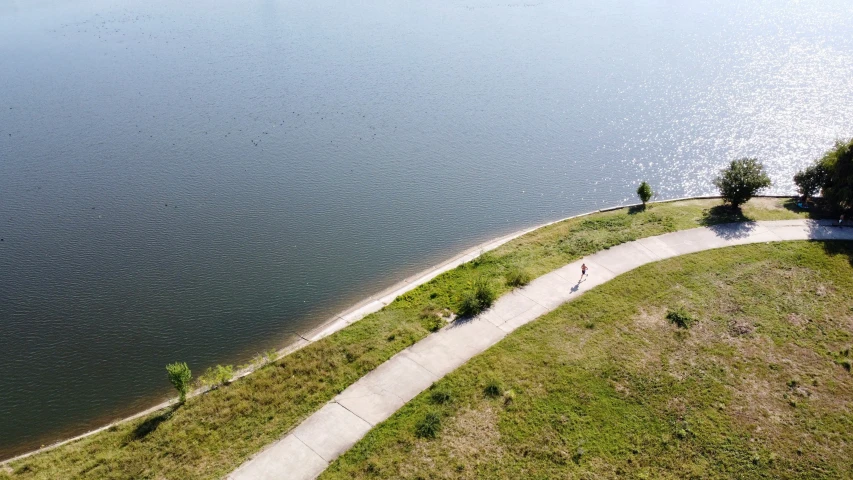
x: 741, y: 181
x: 180, y: 376
x: 645, y: 193
x: 838, y: 186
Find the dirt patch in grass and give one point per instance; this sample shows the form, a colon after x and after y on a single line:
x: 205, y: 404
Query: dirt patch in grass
x: 738, y: 328
x: 472, y: 435
x: 652, y: 319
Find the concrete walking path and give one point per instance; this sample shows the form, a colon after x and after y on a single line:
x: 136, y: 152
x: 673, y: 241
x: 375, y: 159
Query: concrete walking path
x: 309, y: 448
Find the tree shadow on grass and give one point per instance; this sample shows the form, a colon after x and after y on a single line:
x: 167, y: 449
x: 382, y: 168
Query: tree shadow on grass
x: 635, y: 209
x: 727, y: 222
x: 720, y: 214
x: 839, y: 247
x: 150, y: 424
x: 815, y: 209
x: 834, y: 238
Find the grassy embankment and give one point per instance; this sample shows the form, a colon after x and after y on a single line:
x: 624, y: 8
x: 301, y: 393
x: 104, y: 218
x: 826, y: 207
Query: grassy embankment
x: 758, y: 386
x: 212, y: 434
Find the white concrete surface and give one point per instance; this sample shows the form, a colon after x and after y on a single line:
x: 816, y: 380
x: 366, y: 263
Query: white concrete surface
x: 305, y: 452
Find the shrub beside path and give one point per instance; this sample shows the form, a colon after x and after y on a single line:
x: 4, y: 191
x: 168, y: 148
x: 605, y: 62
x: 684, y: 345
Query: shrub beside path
x: 309, y: 448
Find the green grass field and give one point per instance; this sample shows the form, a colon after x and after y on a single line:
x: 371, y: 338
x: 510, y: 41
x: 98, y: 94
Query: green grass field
x: 214, y: 433
x: 758, y: 386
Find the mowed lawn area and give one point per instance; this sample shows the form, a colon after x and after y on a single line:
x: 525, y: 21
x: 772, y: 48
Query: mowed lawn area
x: 212, y: 434
x: 757, y: 386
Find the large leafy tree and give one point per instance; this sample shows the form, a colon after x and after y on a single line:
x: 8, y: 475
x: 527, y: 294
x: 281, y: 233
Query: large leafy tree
x: 742, y: 179
x: 838, y: 185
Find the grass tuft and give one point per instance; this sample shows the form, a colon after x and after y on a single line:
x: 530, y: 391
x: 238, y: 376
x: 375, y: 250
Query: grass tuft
x: 429, y: 426
x: 479, y: 296
x: 493, y: 389
x: 517, y: 277
x: 680, y: 318
x: 440, y: 397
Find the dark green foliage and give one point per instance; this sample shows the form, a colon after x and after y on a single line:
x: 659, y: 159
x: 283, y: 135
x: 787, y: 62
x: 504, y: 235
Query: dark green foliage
x: 517, y: 276
x: 810, y: 181
x: 645, y: 192
x: 477, y: 298
x: 180, y: 377
x: 838, y: 186
x: 429, y: 426
x: 743, y: 179
x: 485, y: 292
x: 493, y: 389
x: 440, y: 397
x: 468, y: 304
x: 680, y: 317
x: 831, y: 175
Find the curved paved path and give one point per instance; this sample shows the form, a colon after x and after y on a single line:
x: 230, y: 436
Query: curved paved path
x: 309, y: 448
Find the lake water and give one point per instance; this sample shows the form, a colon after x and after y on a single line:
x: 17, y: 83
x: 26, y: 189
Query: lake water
x: 203, y: 180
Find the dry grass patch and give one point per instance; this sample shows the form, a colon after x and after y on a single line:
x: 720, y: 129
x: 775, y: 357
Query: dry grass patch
x: 472, y: 435
x: 651, y: 319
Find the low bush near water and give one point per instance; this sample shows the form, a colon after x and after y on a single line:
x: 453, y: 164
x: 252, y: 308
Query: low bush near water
x: 217, y: 376
x: 517, y: 277
x: 479, y: 297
